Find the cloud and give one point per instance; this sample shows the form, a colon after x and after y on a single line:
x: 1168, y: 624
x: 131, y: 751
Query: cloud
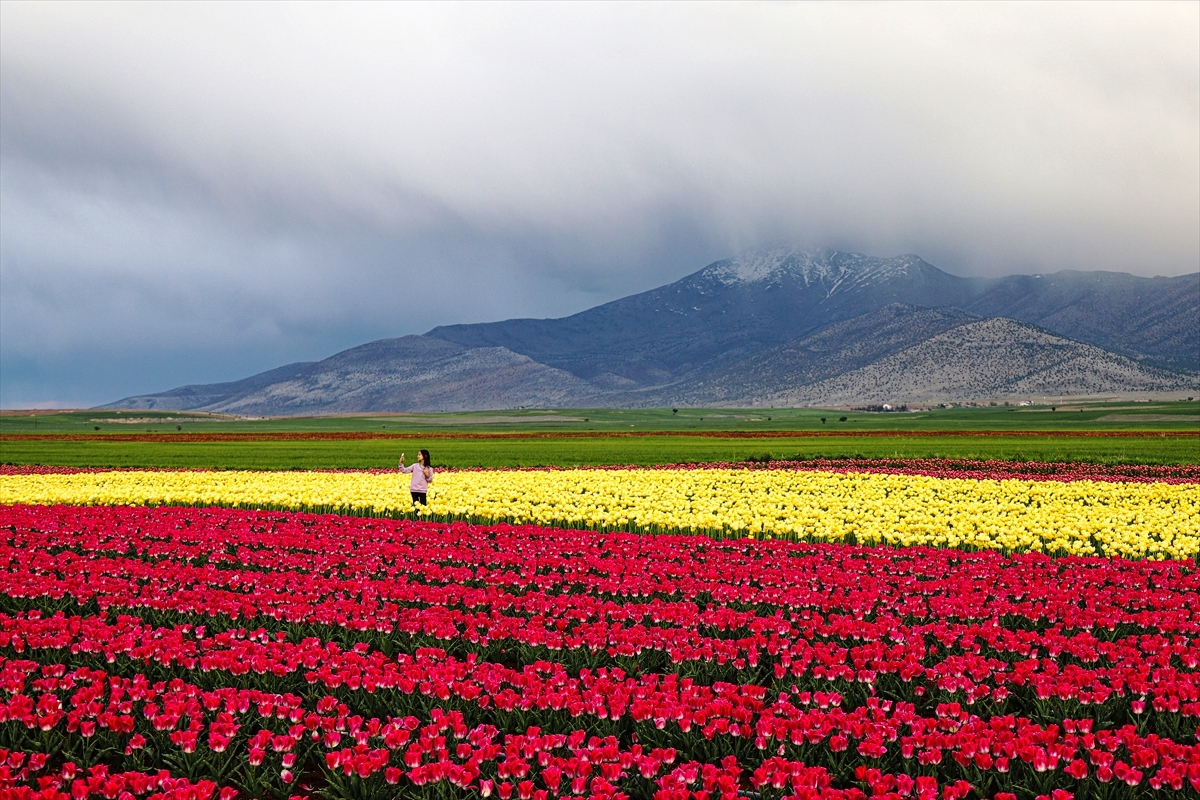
x: 193, y: 192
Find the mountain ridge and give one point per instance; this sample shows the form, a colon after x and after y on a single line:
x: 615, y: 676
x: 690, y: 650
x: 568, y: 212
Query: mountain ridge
x: 763, y: 324
x: 654, y: 337
x: 407, y: 373
x: 929, y: 371
x: 832, y: 350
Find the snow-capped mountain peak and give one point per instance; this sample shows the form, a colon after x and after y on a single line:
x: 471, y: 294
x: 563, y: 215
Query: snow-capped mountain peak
x: 830, y: 267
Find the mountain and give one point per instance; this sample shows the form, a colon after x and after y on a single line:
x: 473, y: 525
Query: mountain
x: 412, y: 373
x: 763, y: 298
x: 1156, y: 320
x: 725, y: 311
x: 985, y: 359
x: 212, y: 395
x: 764, y: 326
x: 831, y: 351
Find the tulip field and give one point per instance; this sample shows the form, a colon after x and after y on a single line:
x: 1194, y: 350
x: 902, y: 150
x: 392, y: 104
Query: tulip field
x: 1139, y: 512
x: 847, y: 628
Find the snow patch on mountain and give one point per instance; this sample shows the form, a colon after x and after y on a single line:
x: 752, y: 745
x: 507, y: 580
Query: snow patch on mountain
x: 754, y: 266
x: 828, y: 267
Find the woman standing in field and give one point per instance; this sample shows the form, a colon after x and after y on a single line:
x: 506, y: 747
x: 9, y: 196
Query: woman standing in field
x: 422, y: 476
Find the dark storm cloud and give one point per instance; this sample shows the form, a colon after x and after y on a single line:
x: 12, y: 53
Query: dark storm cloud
x: 191, y: 193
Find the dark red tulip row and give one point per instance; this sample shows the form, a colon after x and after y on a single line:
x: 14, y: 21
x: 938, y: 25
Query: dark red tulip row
x: 719, y: 708
x: 360, y: 755
x: 20, y: 772
x: 205, y: 722
x: 973, y: 469
x: 993, y: 469
x: 691, y: 598
x: 990, y: 659
x: 792, y: 719
x: 345, y: 566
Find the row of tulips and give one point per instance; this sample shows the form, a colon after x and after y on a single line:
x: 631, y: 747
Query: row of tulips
x: 576, y: 769
x: 1082, y: 517
x: 24, y: 776
x: 280, y: 559
x: 993, y: 469
x: 1172, y: 694
x: 352, y: 571
x: 359, y: 756
x: 713, y: 638
x: 873, y: 667
x: 950, y: 643
x: 197, y: 730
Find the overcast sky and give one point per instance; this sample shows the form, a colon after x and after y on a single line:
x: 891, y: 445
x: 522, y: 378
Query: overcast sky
x: 194, y: 192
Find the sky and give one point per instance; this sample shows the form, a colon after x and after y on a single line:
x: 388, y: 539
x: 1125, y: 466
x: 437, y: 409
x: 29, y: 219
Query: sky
x: 196, y: 192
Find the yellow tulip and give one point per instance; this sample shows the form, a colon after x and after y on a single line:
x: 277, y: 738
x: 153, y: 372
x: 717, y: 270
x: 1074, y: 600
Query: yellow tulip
x: 1142, y: 520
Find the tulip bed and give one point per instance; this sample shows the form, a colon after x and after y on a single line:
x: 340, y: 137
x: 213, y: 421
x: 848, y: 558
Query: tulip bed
x: 933, y: 467
x: 174, y: 652
x: 1147, y: 512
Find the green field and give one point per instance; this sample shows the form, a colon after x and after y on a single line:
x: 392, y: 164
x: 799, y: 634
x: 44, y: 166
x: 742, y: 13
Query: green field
x: 642, y: 448
x: 1111, y: 416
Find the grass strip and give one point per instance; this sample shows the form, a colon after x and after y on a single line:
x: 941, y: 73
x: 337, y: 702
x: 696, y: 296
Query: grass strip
x: 339, y: 436
x: 577, y: 451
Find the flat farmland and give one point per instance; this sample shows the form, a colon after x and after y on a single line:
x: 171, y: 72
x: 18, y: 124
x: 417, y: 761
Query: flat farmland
x: 1093, y: 416
x: 642, y: 450
x: 1130, y: 433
